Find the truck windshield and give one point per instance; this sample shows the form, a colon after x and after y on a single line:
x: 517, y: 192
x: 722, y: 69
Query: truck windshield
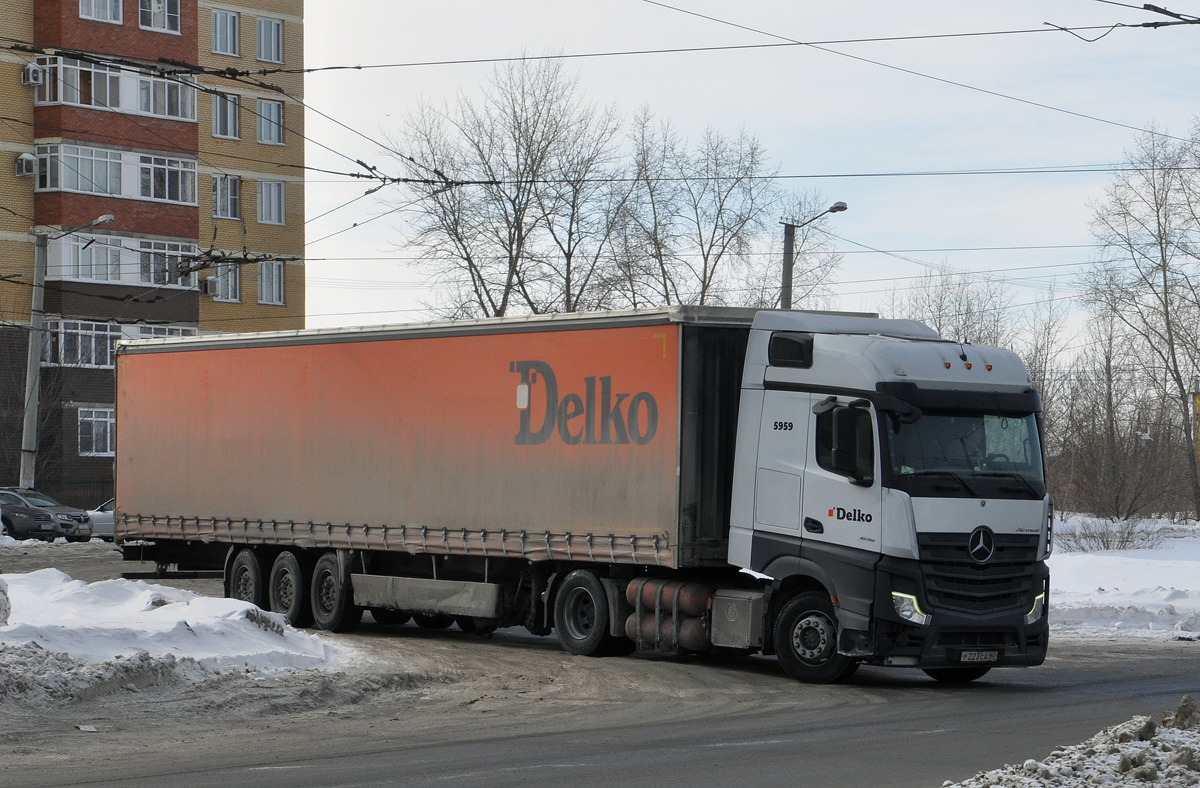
x: 967, y: 453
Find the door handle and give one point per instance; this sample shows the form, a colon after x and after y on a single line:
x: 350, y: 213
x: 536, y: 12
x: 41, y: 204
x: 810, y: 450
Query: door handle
x: 813, y: 526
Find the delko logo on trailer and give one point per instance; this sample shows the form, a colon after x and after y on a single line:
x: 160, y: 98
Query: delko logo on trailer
x: 607, y: 417
x: 853, y: 515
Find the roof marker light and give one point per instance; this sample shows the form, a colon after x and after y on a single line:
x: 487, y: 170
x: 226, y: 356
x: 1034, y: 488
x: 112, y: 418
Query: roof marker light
x: 947, y: 365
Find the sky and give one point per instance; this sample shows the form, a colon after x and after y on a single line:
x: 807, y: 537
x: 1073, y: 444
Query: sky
x: 827, y: 116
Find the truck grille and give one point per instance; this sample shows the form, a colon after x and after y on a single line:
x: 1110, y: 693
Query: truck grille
x: 955, y: 582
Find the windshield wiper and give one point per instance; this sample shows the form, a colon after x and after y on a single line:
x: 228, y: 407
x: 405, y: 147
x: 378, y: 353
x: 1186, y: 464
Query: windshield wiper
x: 1014, y: 475
x: 953, y: 475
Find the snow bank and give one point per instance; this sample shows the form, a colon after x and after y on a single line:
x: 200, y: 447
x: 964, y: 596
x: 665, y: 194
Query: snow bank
x: 68, y: 639
x: 1137, y: 752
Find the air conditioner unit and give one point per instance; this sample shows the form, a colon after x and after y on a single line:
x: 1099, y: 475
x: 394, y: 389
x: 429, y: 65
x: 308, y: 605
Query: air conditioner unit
x: 33, y: 74
x: 26, y: 165
x: 209, y: 286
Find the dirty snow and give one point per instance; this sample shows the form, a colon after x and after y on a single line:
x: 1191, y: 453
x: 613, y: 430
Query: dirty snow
x: 64, y: 639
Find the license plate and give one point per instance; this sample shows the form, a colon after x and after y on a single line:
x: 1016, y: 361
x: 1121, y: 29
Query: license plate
x: 979, y: 656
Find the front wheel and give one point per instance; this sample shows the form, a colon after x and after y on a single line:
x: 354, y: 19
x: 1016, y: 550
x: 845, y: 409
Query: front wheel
x: 958, y: 675
x: 333, y: 607
x: 806, y: 636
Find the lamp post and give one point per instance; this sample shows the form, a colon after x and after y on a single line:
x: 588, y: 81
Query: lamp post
x: 789, y: 241
x: 33, y: 363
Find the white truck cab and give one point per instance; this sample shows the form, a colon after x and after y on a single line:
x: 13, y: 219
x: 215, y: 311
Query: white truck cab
x: 890, y: 483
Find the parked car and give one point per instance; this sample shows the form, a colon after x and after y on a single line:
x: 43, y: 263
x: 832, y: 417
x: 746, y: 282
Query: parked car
x: 103, y: 520
x: 28, y: 514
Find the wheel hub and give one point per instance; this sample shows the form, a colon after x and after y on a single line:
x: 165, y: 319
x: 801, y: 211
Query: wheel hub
x: 813, y: 638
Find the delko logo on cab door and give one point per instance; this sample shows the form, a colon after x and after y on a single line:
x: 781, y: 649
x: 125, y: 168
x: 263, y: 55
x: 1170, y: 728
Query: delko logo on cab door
x: 597, y: 416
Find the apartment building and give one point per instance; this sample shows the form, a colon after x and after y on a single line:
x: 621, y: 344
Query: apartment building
x: 169, y: 199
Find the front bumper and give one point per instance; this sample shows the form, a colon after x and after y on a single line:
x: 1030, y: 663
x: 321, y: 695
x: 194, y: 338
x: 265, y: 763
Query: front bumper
x: 980, y: 621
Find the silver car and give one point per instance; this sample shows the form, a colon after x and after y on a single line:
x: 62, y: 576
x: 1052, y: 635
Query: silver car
x: 103, y: 520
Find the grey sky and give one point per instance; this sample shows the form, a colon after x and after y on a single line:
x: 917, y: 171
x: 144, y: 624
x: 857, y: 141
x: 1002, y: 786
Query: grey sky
x: 817, y: 113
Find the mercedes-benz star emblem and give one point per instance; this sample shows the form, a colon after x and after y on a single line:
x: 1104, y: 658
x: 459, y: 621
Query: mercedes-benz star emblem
x: 982, y: 545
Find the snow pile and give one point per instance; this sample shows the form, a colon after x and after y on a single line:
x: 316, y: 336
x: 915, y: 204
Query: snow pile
x: 68, y: 639
x: 1149, y: 593
x: 1137, y: 752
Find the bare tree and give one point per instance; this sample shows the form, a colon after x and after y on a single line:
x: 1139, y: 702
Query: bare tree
x: 1147, y: 278
x: 959, y: 306
x: 814, y: 257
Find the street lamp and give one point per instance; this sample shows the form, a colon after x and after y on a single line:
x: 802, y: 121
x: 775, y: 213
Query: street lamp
x: 33, y: 363
x: 789, y: 240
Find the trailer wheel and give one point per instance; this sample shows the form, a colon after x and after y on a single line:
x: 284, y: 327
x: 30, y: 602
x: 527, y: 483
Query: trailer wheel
x: 433, y: 620
x: 386, y: 617
x: 333, y: 607
x: 958, y: 675
x: 288, y: 589
x: 581, y: 615
x: 245, y: 578
x: 806, y: 640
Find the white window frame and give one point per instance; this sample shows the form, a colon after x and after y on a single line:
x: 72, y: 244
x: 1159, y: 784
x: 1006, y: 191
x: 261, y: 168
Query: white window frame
x: 92, y: 257
x: 270, y: 282
x: 226, y: 116
x: 155, y: 332
x: 167, y: 179
x: 159, y: 15
x: 269, y: 48
x: 229, y: 282
x: 158, y: 260
x: 227, y: 197
x: 101, y: 11
x: 77, y: 168
x: 270, y: 122
x: 272, y: 206
x: 167, y: 98
x: 80, y: 343
x: 225, y: 28
x: 97, y: 432
x: 70, y: 81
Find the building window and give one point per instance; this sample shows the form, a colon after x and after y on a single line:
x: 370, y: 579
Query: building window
x: 91, y: 257
x: 270, y: 122
x: 225, y: 33
x: 227, y: 197
x: 270, y: 40
x: 97, y: 432
x: 101, y: 10
x: 69, y: 81
x: 163, y: 263
x: 270, y: 202
x: 270, y: 282
x: 154, y: 332
x: 163, y: 178
x: 169, y: 98
x: 229, y: 281
x: 73, y: 343
x: 162, y: 15
x: 78, y: 169
x: 225, y: 115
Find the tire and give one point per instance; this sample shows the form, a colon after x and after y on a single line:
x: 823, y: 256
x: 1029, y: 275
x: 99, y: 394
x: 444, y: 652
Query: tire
x: 958, y: 675
x: 433, y: 620
x: 288, y: 589
x: 246, y: 581
x: 387, y: 617
x: 581, y: 615
x: 333, y: 607
x: 806, y: 637
x: 6, y: 529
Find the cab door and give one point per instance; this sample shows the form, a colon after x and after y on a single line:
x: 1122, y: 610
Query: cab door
x: 843, y: 498
x: 782, y: 455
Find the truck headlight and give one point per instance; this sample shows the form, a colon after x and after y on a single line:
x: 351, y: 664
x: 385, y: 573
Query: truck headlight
x: 908, y: 609
x: 1035, y: 612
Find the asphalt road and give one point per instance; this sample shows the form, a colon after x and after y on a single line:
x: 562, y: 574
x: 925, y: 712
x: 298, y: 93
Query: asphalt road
x: 448, y: 709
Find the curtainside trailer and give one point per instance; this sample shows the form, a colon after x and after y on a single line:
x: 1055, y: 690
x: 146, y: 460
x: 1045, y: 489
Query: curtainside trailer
x: 833, y: 489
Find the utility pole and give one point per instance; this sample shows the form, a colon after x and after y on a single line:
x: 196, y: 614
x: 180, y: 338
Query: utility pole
x: 789, y: 243
x: 33, y: 362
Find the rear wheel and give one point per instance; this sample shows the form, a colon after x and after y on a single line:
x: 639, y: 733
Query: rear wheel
x: 581, y: 615
x: 333, y: 607
x: 245, y: 578
x: 288, y: 589
x: 958, y: 675
x: 387, y: 617
x: 806, y: 637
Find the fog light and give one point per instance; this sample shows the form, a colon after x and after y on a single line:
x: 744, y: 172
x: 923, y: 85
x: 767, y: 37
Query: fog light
x: 908, y: 609
x: 1035, y: 612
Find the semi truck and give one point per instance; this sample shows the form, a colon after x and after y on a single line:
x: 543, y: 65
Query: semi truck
x: 833, y: 489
